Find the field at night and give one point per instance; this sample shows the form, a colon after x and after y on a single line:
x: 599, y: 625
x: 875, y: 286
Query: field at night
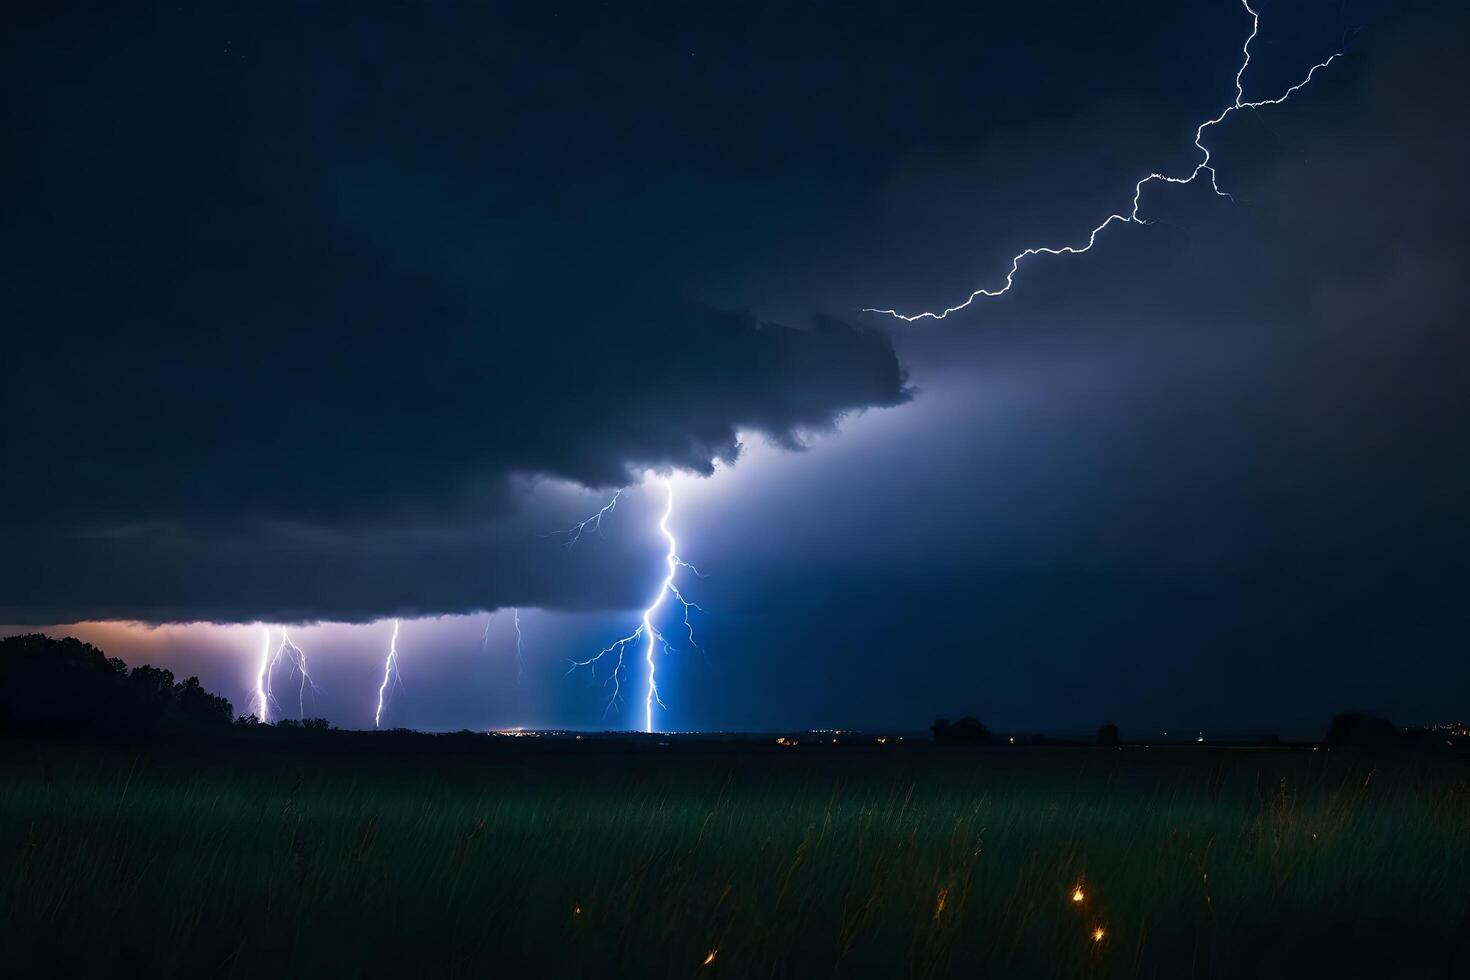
x: 269, y: 853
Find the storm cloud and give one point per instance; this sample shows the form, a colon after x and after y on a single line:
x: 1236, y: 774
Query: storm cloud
x: 272, y: 305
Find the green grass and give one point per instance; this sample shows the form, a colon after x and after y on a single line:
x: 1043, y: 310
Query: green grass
x: 317, y: 858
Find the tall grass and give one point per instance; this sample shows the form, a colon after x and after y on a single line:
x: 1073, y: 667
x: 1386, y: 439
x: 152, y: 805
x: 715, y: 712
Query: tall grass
x: 592, y: 860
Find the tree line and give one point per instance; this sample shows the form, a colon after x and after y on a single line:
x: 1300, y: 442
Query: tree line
x: 48, y: 684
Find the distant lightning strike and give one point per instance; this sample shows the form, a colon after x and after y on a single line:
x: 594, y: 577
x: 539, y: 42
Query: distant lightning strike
x: 262, y: 677
x: 520, y: 652
x: 592, y: 524
x: 390, y: 675
x: 652, y: 638
x: 1132, y: 216
x: 295, y: 660
x: 485, y: 636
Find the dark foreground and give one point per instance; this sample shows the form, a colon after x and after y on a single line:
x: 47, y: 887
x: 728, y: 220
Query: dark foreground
x: 346, y: 855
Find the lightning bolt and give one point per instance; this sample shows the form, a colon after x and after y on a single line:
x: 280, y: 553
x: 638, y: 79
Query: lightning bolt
x: 521, y: 660
x: 391, y: 677
x: 520, y: 648
x: 298, y: 663
x: 521, y: 656
x: 592, y: 524
x: 653, y: 639
x: 262, y: 678
x: 1204, y: 166
x: 294, y: 660
x: 485, y: 636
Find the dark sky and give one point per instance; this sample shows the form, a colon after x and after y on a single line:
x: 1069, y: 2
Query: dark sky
x: 331, y: 315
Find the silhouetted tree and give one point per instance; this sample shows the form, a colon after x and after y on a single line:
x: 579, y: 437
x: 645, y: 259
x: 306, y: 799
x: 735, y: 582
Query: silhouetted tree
x: 151, y: 690
x: 1107, y: 734
x: 967, y: 731
x: 67, y: 685
x: 50, y: 684
x: 195, y: 707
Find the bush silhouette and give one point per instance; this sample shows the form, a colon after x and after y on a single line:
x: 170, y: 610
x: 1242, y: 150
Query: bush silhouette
x: 68, y: 685
x: 193, y: 706
x: 967, y: 731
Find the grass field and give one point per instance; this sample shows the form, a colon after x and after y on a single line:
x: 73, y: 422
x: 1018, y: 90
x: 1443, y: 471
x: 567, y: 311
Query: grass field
x: 351, y: 855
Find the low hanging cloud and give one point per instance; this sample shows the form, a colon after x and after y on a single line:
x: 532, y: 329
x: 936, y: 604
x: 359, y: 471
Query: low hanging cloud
x: 350, y: 462
x: 264, y: 360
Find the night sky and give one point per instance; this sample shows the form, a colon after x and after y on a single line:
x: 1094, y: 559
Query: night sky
x: 334, y: 315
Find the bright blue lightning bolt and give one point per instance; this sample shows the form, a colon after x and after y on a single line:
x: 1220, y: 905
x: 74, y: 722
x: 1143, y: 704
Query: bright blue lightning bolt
x: 1132, y: 217
x: 295, y: 661
x: 652, y: 638
x: 391, y: 677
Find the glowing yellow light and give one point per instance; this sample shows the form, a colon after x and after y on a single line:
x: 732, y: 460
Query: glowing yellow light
x: 710, y: 958
x: 940, y: 901
x: 1097, y: 934
x: 576, y: 910
x: 1077, y: 895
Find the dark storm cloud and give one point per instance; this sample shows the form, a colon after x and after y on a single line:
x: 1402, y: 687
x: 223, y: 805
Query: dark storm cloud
x: 286, y: 292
